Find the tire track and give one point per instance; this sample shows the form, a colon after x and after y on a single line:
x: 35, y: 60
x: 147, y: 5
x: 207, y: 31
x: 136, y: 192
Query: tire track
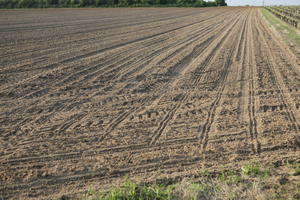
x: 205, y: 129
x: 38, y: 93
x: 119, y: 119
x: 114, y: 126
x: 104, y: 115
x: 251, y: 100
x: 96, y: 52
x: 175, y: 70
x: 280, y: 84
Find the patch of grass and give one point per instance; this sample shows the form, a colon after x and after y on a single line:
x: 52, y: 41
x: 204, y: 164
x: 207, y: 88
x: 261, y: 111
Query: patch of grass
x: 204, y: 189
x: 297, y: 170
x: 188, y: 190
x: 130, y: 190
x: 91, y: 191
x: 251, y: 181
x: 287, y: 30
x: 230, y: 176
x: 254, y: 170
x: 294, y: 166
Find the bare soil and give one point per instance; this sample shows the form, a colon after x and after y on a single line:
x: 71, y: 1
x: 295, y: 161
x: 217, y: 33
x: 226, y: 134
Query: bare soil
x: 88, y: 96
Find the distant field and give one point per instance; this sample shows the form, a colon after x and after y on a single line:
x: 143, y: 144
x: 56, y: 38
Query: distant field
x: 89, y: 96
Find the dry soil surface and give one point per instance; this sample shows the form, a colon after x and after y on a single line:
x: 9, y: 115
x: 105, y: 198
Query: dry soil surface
x: 88, y: 96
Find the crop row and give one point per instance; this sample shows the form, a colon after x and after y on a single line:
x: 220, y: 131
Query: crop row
x: 292, y: 9
x: 285, y: 14
x: 294, y: 13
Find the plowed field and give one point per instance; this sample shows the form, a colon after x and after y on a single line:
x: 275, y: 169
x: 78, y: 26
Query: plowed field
x: 89, y: 96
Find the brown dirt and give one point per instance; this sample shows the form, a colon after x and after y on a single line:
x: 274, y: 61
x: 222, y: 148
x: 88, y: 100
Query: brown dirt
x: 89, y: 96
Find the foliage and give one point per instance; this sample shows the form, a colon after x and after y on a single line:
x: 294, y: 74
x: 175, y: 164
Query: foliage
x: 106, y: 3
x: 221, y: 2
x: 200, y: 3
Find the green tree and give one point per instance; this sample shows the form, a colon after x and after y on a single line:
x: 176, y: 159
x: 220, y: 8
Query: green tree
x: 151, y: 2
x: 42, y: 3
x: 63, y: 3
x: 52, y: 3
x: 100, y: 2
x: 220, y: 3
x: 109, y: 2
x: 171, y: 2
x: 144, y: 2
x: 9, y: 3
x: 123, y: 2
x: 84, y: 3
x: 200, y: 3
x: 181, y: 2
x: 27, y: 4
x: 74, y: 3
x: 211, y: 3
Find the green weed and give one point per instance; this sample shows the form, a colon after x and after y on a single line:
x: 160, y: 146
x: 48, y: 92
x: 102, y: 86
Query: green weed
x: 133, y: 191
x: 229, y: 176
x: 254, y: 170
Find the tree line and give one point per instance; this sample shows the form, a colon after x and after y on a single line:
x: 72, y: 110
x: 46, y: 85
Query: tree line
x: 106, y: 3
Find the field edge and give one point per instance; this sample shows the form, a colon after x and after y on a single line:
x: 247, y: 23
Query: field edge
x: 250, y: 181
x: 289, y: 33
